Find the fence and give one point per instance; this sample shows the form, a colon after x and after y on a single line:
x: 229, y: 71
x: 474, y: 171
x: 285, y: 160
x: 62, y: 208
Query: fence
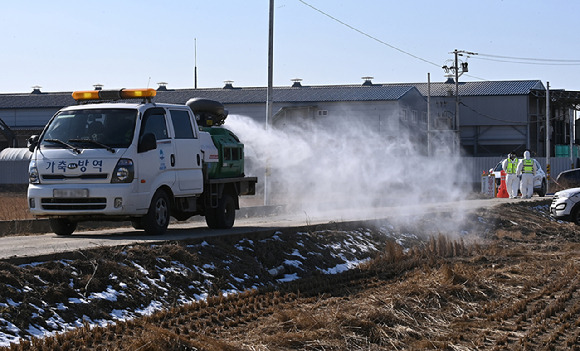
x: 477, y: 165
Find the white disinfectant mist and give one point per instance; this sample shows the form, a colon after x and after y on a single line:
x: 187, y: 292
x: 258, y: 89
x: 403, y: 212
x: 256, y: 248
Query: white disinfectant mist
x: 347, y: 168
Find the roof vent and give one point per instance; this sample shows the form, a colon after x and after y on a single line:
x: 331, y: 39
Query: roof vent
x: 450, y: 81
x: 36, y: 89
x: 229, y: 84
x: 98, y: 86
x: 368, y: 81
x: 296, y: 82
x: 162, y: 86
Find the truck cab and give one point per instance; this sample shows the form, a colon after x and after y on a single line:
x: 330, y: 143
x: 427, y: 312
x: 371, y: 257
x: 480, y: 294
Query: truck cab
x: 137, y: 161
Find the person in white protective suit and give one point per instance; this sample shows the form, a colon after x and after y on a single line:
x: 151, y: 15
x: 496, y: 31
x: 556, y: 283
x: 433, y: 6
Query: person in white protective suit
x: 512, y: 182
x: 527, y: 170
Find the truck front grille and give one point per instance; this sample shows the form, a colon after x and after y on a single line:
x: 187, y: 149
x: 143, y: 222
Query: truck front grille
x: 81, y: 176
x: 65, y: 204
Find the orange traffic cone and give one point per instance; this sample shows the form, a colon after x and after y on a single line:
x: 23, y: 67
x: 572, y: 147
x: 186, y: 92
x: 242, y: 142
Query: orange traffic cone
x: 502, y: 192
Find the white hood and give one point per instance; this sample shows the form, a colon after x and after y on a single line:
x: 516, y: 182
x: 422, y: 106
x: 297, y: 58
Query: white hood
x: 526, y: 155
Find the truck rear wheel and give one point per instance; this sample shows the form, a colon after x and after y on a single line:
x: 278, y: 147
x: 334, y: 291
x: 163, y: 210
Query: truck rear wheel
x: 224, y: 215
x: 62, y: 226
x: 156, y: 220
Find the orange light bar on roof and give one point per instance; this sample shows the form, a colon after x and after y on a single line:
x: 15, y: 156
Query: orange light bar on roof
x: 86, y: 95
x: 114, y: 94
x: 137, y: 93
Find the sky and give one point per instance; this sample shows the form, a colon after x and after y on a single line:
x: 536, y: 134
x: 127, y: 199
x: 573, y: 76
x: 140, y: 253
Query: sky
x: 63, y: 45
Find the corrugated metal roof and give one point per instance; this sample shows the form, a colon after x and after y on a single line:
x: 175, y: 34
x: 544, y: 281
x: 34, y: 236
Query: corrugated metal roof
x: 43, y: 100
x: 486, y: 88
x: 283, y: 94
x: 330, y: 93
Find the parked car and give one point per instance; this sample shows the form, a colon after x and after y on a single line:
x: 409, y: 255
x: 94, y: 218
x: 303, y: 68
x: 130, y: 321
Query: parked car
x: 569, y: 179
x: 540, y: 179
x: 566, y: 205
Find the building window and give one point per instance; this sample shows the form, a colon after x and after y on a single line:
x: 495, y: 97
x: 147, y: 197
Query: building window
x: 404, y: 117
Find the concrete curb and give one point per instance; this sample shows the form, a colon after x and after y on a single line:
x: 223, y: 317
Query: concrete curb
x: 40, y: 226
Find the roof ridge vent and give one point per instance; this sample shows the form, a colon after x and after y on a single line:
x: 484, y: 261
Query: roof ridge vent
x: 162, y: 86
x: 98, y: 86
x: 367, y: 81
x: 229, y: 84
x: 36, y: 89
x: 296, y: 83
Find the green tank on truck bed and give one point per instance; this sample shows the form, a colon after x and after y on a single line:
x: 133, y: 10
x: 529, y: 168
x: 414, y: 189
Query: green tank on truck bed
x: 230, y: 152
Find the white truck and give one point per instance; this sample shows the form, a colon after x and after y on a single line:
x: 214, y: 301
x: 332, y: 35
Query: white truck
x: 112, y: 159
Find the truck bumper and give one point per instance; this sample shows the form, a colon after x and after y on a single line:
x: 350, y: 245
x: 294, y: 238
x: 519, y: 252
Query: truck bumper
x: 47, y: 200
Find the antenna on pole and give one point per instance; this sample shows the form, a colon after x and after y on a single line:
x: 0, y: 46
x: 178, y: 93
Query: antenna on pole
x: 195, y: 63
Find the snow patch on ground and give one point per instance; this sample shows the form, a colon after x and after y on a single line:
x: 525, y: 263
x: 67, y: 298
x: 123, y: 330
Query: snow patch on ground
x: 139, y: 285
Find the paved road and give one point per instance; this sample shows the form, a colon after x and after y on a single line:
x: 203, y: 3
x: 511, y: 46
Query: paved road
x: 47, y: 244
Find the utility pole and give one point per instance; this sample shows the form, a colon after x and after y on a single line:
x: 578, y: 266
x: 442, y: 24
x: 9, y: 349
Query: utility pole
x: 269, y: 92
x: 428, y: 114
x: 572, y: 134
x: 547, y: 132
x: 458, y: 137
x: 270, y: 65
x: 455, y: 68
x: 195, y: 63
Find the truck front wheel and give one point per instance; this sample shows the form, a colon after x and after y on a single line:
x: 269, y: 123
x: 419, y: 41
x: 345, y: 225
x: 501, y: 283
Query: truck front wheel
x: 62, y: 226
x: 224, y: 215
x: 156, y: 220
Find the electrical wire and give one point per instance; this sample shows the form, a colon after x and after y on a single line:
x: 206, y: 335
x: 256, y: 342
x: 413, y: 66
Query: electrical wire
x: 481, y: 56
x: 368, y: 35
x: 530, y: 59
x: 377, y: 39
x: 531, y: 63
x: 489, y: 57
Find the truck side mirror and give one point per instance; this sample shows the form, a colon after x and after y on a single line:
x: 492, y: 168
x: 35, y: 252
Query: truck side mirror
x: 147, y: 142
x: 32, y: 143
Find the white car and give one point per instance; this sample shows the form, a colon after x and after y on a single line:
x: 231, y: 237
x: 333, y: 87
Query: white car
x: 540, y: 180
x: 566, y: 205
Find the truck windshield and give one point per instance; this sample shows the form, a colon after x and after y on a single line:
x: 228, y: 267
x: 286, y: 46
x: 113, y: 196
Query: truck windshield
x: 91, y: 128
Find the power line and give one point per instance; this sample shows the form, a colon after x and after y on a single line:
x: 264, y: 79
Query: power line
x: 555, y: 63
x: 530, y: 59
x: 368, y: 35
x: 376, y: 39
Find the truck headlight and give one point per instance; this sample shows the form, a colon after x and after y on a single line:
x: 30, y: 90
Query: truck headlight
x: 33, y: 177
x: 124, y: 171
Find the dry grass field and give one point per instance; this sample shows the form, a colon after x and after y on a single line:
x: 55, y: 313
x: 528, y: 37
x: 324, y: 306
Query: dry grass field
x: 13, y: 205
x: 515, y: 288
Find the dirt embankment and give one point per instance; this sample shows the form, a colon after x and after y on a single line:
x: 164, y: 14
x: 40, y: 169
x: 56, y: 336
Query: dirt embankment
x: 510, y: 282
